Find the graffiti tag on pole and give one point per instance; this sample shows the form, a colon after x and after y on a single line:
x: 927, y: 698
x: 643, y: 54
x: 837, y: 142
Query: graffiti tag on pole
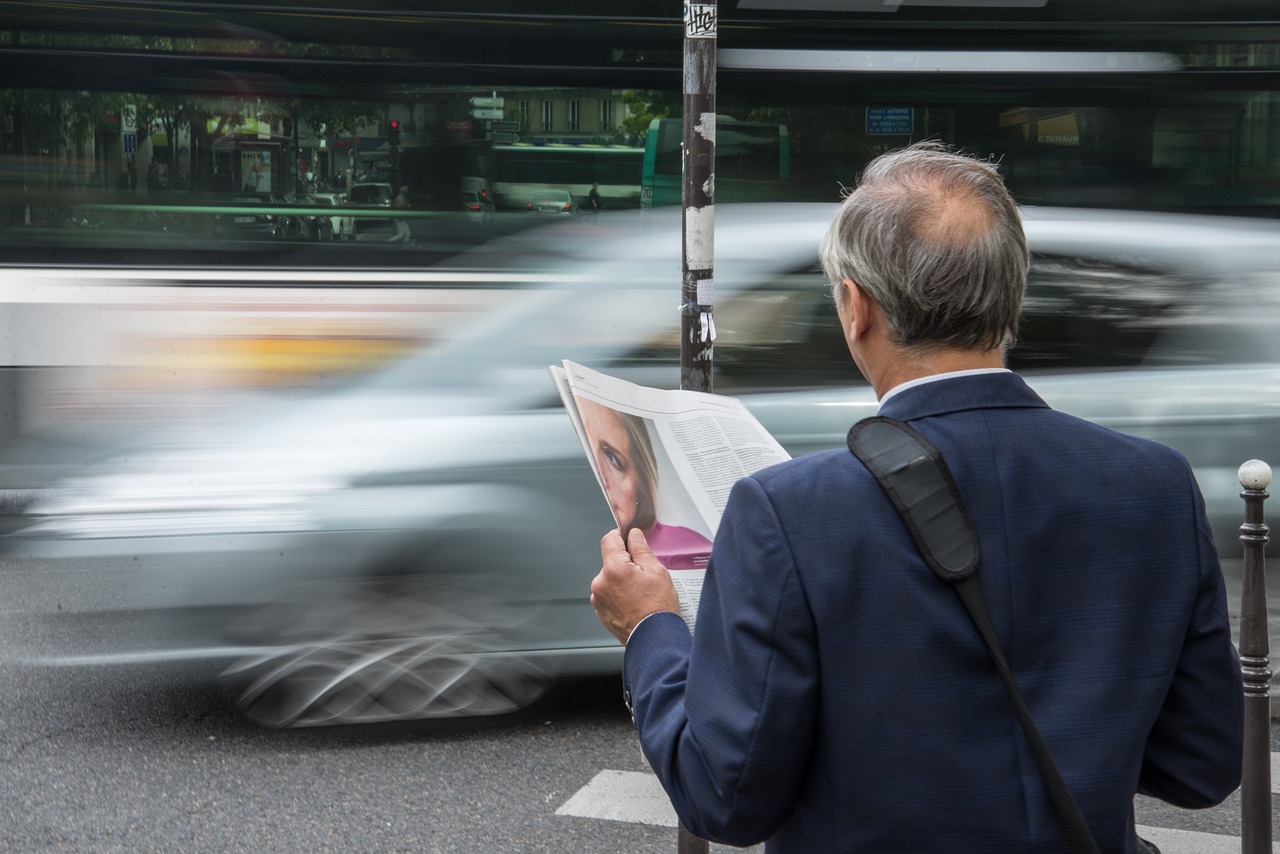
x: 700, y: 20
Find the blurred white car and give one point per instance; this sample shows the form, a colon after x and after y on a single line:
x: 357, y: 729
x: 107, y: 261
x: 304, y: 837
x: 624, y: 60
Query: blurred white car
x: 372, y: 194
x: 478, y: 210
x: 331, y: 227
x: 421, y: 542
x: 556, y: 202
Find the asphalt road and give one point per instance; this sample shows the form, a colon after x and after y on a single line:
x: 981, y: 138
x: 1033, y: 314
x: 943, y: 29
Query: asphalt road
x: 155, y: 758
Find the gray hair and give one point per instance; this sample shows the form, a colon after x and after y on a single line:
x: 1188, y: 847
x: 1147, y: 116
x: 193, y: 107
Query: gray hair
x: 936, y: 240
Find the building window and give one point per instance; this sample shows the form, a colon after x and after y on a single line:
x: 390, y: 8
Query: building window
x: 606, y: 114
x: 573, y: 114
x: 524, y: 113
x: 546, y: 115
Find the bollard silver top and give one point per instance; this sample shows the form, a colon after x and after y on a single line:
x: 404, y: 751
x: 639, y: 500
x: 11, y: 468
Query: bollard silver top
x: 1255, y: 474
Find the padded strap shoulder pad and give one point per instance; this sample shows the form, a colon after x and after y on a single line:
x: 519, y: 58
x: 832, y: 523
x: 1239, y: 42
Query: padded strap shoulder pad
x: 919, y: 483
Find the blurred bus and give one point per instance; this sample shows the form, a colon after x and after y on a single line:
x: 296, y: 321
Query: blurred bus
x: 753, y: 162
x: 521, y: 171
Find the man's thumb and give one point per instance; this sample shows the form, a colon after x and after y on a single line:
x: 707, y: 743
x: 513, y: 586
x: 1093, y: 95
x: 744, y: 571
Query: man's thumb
x: 638, y: 546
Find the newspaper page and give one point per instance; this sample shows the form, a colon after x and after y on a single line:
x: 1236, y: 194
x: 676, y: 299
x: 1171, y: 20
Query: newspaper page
x: 666, y: 461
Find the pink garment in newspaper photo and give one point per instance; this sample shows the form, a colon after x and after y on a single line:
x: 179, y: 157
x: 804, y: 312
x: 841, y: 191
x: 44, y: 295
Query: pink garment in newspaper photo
x: 677, y: 547
x: 628, y: 468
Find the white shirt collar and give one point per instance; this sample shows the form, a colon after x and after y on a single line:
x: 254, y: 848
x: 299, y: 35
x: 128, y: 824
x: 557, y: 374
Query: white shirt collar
x: 972, y: 372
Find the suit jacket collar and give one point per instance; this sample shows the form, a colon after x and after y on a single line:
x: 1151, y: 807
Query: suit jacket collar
x: 984, y: 391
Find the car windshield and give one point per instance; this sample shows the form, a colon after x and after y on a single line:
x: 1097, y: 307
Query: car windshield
x: 635, y: 321
x: 364, y: 195
x: 1092, y: 303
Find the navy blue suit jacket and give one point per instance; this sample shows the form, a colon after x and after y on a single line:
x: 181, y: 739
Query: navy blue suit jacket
x: 836, y: 695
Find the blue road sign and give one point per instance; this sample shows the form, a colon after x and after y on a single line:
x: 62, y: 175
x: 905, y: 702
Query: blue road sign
x: 890, y: 121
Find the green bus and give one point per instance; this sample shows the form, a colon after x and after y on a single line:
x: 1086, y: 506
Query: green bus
x: 753, y: 162
x: 519, y: 171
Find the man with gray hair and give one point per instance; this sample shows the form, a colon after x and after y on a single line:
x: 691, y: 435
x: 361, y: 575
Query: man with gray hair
x: 836, y: 695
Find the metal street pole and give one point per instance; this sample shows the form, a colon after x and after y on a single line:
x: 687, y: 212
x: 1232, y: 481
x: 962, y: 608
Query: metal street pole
x: 1255, y: 791
x: 697, y: 205
x: 697, y: 198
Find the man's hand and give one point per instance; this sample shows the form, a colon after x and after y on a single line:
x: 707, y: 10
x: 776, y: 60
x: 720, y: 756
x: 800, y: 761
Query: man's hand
x: 631, y: 585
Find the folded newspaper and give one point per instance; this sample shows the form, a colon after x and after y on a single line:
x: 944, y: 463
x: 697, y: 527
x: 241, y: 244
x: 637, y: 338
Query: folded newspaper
x: 666, y: 461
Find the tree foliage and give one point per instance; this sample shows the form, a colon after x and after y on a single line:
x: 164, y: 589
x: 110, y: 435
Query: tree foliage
x: 642, y: 107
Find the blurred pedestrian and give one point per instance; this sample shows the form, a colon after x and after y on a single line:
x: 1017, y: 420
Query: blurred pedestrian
x: 594, y: 203
x: 400, y: 202
x: 153, y: 178
x: 836, y: 695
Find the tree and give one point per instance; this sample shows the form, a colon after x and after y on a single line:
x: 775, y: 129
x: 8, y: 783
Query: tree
x: 642, y: 107
x: 50, y: 123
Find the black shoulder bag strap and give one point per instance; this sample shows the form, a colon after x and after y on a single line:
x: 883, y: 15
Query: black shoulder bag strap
x: 916, y: 478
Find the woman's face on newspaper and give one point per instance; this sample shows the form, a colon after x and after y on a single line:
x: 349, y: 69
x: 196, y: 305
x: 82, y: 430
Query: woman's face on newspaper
x: 614, y: 458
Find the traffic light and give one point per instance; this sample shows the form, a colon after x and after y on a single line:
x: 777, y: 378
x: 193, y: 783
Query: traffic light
x: 393, y: 132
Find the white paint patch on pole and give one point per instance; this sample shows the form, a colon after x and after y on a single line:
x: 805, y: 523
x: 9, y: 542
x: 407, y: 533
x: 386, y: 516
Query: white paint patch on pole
x: 706, y: 127
x: 700, y: 237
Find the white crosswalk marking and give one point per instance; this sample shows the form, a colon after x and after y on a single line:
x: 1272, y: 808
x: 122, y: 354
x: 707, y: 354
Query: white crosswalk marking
x: 633, y: 796
x: 1171, y: 841
x: 636, y: 796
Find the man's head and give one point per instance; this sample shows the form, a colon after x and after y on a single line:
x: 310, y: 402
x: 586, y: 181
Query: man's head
x: 935, y: 239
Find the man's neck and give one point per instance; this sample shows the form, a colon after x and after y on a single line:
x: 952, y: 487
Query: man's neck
x: 898, y: 367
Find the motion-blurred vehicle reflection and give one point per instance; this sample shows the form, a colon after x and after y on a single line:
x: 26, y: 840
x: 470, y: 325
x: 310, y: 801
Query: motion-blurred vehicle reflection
x: 370, y: 195
x: 478, y: 210
x: 241, y: 223
x: 420, y: 541
x: 326, y: 227
x: 553, y: 201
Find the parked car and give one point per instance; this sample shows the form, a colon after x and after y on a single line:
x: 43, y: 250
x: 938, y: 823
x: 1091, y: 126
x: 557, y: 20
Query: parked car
x: 370, y: 195
x: 420, y: 542
x: 477, y: 210
x: 559, y: 202
x: 326, y: 226
x: 479, y: 186
x: 237, y: 222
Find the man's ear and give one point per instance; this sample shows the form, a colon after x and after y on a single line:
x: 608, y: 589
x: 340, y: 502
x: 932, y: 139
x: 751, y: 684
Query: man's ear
x: 854, y: 308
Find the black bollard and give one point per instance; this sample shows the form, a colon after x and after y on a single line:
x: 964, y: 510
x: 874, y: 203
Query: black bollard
x: 1255, y: 791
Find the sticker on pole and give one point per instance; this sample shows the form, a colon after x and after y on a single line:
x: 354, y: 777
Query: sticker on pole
x: 700, y: 20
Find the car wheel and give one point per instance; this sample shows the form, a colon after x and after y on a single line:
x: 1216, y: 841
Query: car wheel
x: 384, y: 650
